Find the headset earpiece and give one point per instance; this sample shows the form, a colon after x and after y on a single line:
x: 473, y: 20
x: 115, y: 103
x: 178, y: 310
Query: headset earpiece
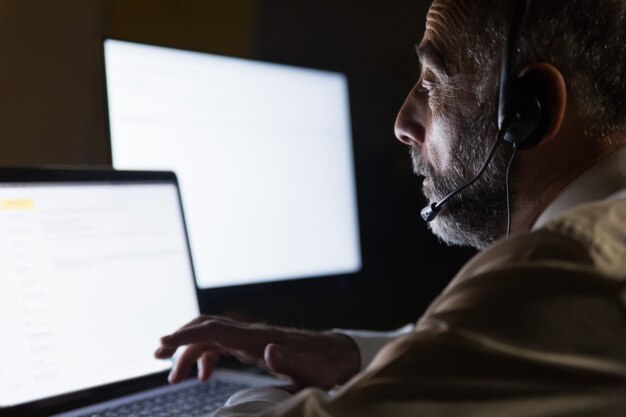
x: 523, y: 110
x: 526, y: 116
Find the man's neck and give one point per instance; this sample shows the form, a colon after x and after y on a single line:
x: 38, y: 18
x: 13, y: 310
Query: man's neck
x: 534, y: 192
x: 604, y: 180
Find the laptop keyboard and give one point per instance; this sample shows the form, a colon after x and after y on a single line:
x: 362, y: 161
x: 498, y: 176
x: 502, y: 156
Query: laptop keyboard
x: 196, y: 401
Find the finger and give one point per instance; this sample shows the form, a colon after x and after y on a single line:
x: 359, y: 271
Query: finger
x: 183, y: 364
x: 164, y: 352
x: 206, y: 364
x: 218, y: 318
x: 227, y: 337
x: 304, y: 369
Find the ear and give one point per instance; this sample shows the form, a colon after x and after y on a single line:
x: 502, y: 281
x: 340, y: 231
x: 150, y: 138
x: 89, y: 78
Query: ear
x: 549, y: 82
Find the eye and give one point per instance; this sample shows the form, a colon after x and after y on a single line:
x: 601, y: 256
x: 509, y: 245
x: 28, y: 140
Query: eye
x: 430, y: 87
x: 432, y: 92
x: 428, y: 81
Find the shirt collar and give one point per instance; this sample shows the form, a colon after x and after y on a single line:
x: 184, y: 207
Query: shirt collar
x: 604, y: 178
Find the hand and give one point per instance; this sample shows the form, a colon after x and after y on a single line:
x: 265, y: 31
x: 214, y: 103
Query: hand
x: 319, y: 359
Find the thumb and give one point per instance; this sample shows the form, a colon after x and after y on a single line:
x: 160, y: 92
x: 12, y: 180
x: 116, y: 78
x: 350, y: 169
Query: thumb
x: 304, y: 369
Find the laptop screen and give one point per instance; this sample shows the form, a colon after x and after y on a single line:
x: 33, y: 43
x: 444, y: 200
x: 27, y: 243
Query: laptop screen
x: 263, y: 153
x: 91, y: 275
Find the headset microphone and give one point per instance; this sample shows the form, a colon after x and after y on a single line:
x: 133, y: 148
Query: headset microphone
x: 430, y: 211
x: 522, y: 117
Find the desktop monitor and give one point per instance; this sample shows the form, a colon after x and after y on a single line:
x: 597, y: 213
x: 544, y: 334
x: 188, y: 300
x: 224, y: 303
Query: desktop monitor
x: 263, y: 153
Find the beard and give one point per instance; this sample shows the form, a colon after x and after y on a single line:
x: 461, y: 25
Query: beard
x: 476, y: 216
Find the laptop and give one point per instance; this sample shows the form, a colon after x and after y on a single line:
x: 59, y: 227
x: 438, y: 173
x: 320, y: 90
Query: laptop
x: 95, y: 267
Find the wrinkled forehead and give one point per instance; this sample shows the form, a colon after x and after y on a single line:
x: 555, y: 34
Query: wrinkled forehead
x: 445, y: 18
x: 449, y: 27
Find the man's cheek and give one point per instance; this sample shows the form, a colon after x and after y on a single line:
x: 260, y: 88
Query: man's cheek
x: 440, y: 145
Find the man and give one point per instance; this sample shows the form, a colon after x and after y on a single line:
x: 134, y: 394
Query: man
x: 536, y: 323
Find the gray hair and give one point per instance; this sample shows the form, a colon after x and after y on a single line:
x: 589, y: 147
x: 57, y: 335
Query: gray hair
x: 584, y: 39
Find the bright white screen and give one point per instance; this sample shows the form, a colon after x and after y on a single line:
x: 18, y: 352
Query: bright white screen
x: 263, y: 153
x: 90, y: 278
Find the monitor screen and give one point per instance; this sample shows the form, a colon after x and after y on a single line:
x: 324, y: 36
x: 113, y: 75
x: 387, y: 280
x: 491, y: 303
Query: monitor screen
x: 263, y: 153
x: 92, y: 275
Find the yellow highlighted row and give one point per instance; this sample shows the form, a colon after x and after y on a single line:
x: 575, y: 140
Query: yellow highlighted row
x: 17, y: 204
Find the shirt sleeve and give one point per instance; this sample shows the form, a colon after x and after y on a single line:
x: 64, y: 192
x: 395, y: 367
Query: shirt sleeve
x: 370, y: 342
x: 252, y: 401
x: 532, y: 326
x: 255, y: 400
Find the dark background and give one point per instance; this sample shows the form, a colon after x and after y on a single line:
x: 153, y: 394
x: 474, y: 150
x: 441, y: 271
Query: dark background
x: 53, y: 112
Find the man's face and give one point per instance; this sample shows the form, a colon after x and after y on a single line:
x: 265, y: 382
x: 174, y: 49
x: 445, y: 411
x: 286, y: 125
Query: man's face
x: 449, y: 132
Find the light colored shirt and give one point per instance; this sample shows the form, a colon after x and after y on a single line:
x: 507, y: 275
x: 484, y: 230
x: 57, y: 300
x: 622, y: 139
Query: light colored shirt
x: 603, y: 180
x: 606, y: 180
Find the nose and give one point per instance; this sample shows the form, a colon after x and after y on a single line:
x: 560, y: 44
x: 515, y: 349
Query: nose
x: 409, y: 127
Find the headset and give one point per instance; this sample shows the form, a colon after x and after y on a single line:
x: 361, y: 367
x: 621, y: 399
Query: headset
x: 523, y: 114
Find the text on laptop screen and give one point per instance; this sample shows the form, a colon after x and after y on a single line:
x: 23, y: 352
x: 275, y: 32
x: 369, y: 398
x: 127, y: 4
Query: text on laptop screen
x: 91, y: 276
x: 263, y: 153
